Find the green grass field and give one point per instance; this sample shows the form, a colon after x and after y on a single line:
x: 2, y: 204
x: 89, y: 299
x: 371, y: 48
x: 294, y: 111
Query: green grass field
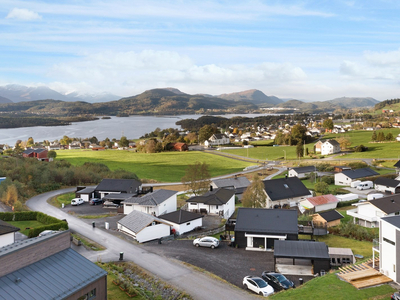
x: 162, y: 167
x: 267, y: 153
x: 25, y: 224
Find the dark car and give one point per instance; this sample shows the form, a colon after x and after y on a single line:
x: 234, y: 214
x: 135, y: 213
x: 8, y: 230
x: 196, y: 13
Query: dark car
x: 95, y: 201
x: 277, y: 281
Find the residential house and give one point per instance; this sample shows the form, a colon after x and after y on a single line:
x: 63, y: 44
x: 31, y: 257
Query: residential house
x: 329, y: 218
x: 75, y: 145
x: 389, y: 247
x: 183, y: 221
x: 45, y: 267
x: 177, y: 147
x: 330, y: 147
x: 397, y: 165
x: 318, y: 147
x: 387, y: 185
x: 320, y: 203
x: 369, y: 213
x: 85, y: 193
x: 302, y: 172
x: 219, y: 201
x: 156, y: 203
x: 283, y: 192
x: 40, y: 154
x: 258, y: 229
x: 54, y: 146
x: 118, y: 186
x: 216, y: 140
x: 7, y: 233
x: 348, y: 176
x: 238, y: 184
x: 143, y: 227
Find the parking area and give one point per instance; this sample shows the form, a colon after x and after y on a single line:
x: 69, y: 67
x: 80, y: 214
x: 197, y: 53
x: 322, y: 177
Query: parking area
x: 87, y: 209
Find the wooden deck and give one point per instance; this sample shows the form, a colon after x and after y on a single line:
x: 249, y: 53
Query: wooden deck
x: 363, y: 275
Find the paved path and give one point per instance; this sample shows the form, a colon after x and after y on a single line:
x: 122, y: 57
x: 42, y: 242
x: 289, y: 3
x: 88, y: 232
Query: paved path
x: 195, y: 283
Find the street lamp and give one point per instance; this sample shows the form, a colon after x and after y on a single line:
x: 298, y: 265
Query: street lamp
x: 285, y: 153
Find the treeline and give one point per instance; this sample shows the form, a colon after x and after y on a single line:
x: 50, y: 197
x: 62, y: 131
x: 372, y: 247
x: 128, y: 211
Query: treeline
x: 15, y: 121
x: 26, y: 177
x: 382, y: 104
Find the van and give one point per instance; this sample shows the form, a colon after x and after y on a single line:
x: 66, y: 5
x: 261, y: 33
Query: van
x: 365, y: 185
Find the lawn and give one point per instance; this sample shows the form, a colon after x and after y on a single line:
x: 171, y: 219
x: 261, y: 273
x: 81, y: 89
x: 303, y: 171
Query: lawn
x: 64, y: 198
x: 267, y: 153
x: 358, y: 247
x: 331, y: 287
x: 26, y: 224
x: 162, y: 167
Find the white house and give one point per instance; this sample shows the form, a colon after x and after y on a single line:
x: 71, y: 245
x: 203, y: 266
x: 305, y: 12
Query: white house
x: 143, y: 227
x: 346, y: 177
x: 387, y: 185
x: 157, y: 203
x: 7, y: 233
x: 220, y: 201
x: 320, y: 203
x: 368, y: 214
x: 183, y: 221
x: 330, y: 147
x: 284, y: 192
x: 216, y: 140
x: 389, y: 247
x: 301, y: 172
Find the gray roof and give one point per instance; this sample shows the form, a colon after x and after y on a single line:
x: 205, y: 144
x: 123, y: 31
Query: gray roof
x: 55, y: 277
x: 7, y: 228
x: 123, y: 196
x: 359, y: 173
x: 262, y: 220
x: 333, y: 142
x: 119, y: 185
x: 219, y: 196
x: 301, y: 249
x: 389, y: 204
x: 180, y: 216
x: 387, y: 182
x: 394, y: 220
x: 306, y: 169
x: 87, y: 190
x: 138, y: 220
x: 152, y: 199
x: 237, y: 182
x: 397, y: 164
x: 284, y: 188
x: 331, y: 215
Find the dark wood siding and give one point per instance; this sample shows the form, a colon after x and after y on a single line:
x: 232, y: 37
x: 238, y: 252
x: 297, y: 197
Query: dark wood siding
x: 101, y: 289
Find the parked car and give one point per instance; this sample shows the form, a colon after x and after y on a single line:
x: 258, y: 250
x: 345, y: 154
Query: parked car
x: 77, y: 201
x: 258, y: 286
x: 365, y: 185
x: 395, y: 296
x: 277, y: 281
x: 95, y: 201
x: 207, y: 241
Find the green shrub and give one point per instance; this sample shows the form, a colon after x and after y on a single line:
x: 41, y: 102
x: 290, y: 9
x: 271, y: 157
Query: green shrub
x: 321, y: 187
x: 56, y: 226
x: 25, y: 215
x: 328, y: 179
x: 346, y: 203
x: 6, y: 216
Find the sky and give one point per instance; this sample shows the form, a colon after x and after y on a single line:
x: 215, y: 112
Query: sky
x: 307, y: 50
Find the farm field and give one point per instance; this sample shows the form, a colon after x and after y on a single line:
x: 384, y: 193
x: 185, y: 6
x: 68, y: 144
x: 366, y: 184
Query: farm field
x: 161, y: 167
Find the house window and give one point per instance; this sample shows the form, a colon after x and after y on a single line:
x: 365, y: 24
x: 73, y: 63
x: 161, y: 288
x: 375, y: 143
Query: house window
x: 193, y: 203
x: 389, y: 241
x: 216, y: 206
x: 88, y: 296
x: 333, y: 260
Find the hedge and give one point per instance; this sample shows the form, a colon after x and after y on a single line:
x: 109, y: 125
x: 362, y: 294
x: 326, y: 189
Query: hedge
x: 56, y: 226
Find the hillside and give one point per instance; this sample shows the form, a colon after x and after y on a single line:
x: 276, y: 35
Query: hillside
x: 5, y: 100
x: 351, y: 102
x: 253, y: 96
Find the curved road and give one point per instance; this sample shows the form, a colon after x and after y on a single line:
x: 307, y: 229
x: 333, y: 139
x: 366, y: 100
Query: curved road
x: 195, y: 283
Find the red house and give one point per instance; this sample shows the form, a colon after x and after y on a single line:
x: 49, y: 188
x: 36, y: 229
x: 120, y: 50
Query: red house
x: 178, y: 147
x: 40, y: 154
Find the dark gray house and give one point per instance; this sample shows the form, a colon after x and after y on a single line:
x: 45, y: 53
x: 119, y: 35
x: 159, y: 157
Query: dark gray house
x: 118, y: 186
x: 258, y: 228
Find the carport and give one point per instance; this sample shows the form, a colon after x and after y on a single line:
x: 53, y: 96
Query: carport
x: 299, y: 256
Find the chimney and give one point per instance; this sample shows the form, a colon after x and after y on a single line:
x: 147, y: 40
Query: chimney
x: 151, y: 189
x: 211, y: 188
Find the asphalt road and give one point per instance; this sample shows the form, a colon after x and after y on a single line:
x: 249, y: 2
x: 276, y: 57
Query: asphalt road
x: 197, y: 284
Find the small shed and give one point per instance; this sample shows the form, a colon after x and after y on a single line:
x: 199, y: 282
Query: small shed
x: 183, y: 221
x: 320, y: 203
x: 330, y: 218
x: 341, y: 256
x: 338, y: 169
x: 86, y: 193
x: 302, y: 172
x: 299, y: 251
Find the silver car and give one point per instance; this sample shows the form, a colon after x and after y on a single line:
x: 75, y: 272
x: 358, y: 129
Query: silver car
x: 207, y: 241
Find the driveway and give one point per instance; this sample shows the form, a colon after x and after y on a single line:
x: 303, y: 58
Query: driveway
x: 195, y: 283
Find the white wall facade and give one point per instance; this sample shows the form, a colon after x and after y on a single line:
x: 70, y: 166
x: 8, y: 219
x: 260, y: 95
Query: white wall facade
x: 327, y: 148
x: 384, y: 188
x: 326, y: 206
x: 148, y: 233
x: 6, y: 239
x: 341, y: 179
x: 228, y: 208
x: 387, y: 249
x: 188, y: 226
x: 169, y: 205
x: 292, y: 202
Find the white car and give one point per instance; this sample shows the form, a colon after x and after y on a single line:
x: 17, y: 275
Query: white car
x: 258, y: 286
x: 77, y: 201
x: 207, y: 241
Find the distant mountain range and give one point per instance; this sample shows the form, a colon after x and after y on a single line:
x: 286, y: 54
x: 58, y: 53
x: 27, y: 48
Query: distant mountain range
x: 253, y: 96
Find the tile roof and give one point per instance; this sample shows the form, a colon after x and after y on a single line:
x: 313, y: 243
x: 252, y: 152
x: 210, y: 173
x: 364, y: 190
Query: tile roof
x: 237, y: 182
x: 7, y: 228
x: 331, y: 215
x: 301, y: 249
x: 323, y: 199
x: 389, y: 204
x: 284, y: 188
x: 263, y: 220
x: 359, y: 173
x: 119, y: 185
x: 387, y: 182
x: 219, y: 196
x: 137, y: 220
x: 55, y: 277
x: 152, y: 199
x: 180, y: 216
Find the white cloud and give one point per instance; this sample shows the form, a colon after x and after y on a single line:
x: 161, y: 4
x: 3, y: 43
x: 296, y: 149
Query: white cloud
x: 23, y: 14
x: 383, y: 59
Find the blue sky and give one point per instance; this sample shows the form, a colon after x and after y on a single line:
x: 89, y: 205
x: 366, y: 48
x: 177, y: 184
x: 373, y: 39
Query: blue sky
x: 313, y: 50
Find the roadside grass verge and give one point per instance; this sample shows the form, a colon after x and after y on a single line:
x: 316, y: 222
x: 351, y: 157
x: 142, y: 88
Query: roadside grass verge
x: 89, y: 244
x: 330, y: 287
x: 161, y: 167
x: 96, y: 216
x: 64, y: 198
x: 25, y: 226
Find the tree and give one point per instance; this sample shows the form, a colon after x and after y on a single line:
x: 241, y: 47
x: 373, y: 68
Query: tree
x: 17, y: 151
x: 123, y: 142
x: 344, y: 143
x: 30, y: 142
x: 299, y: 132
x: 299, y: 149
x: 328, y: 124
x: 374, y: 136
x: 191, y: 138
x: 321, y: 187
x: 52, y: 154
x: 11, y: 195
x: 389, y: 137
x: 65, y: 140
x: 307, y: 151
x: 255, y: 196
x: 206, y: 132
x: 197, y: 178
x: 381, y: 136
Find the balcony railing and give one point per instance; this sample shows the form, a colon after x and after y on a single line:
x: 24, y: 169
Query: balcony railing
x: 375, y: 244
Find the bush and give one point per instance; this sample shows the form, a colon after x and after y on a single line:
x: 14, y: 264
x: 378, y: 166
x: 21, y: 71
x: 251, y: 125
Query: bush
x: 346, y: 203
x: 328, y: 179
x: 321, y: 187
x: 360, y: 148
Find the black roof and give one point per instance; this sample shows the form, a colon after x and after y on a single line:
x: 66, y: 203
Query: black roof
x: 387, y: 182
x: 397, y: 165
x: 180, y: 216
x: 216, y: 197
x: 331, y: 215
x: 394, y: 220
x: 359, y: 173
x: 306, y: 169
x: 389, y: 204
x: 119, y: 185
x: 301, y: 249
x: 7, y: 228
x: 284, y: 188
x: 265, y: 220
